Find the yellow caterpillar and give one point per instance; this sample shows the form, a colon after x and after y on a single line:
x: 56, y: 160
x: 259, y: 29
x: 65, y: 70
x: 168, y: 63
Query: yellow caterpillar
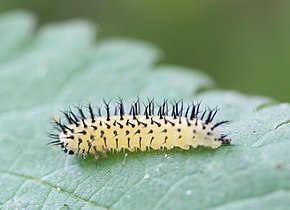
x: 170, y: 127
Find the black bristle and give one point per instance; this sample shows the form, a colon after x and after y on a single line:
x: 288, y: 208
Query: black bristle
x: 146, y: 112
x: 157, y: 123
x: 211, y: 115
x: 160, y: 112
x: 90, y: 108
x: 193, y: 111
x: 136, y: 105
x: 176, y: 108
x: 68, y: 117
x: 197, y: 109
x: 173, y: 114
x: 89, y: 146
x: 180, y: 119
x: 53, y: 142
x: 187, y: 110
x: 203, y: 114
x: 83, y: 121
x: 80, y: 109
x: 168, y: 121
x: 56, y: 127
x: 219, y: 123
x: 139, y: 107
x: 151, y: 106
x: 107, y: 107
x: 181, y: 108
x: 73, y: 117
x: 187, y: 121
x: 65, y: 147
x: 56, y: 144
x: 135, y: 108
x: 61, y: 126
x: 133, y: 111
x: 166, y: 109
x: 121, y: 107
x: 79, y: 143
x: 53, y: 136
x: 70, y: 129
x: 99, y: 111
x: 74, y: 121
x: 214, y: 114
x: 208, y: 120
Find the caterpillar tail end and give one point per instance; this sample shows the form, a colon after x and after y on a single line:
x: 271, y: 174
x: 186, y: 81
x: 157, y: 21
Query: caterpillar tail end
x: 226, y: 141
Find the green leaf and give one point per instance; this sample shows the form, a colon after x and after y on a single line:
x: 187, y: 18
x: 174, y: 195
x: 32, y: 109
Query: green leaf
x: 60, y: 65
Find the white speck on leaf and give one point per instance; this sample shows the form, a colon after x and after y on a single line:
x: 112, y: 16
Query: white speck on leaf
x: 146, y: 176
x: 188, y: 192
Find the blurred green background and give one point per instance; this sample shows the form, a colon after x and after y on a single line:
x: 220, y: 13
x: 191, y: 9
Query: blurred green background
x: 242, y: 44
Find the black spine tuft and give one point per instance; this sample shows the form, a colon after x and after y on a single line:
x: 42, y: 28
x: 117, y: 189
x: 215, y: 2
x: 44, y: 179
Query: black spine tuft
x: 73, y: 117
x: 107, y: 107
x: 121, y: 107
x: 90, y: 108
x: 80, y: 109
x: 151, y: 106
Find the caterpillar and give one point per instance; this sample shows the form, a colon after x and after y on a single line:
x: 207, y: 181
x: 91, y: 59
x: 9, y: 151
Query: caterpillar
x: 173, y: 125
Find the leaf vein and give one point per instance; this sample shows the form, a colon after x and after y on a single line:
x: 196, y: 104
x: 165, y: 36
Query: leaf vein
x: 51, y: 186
